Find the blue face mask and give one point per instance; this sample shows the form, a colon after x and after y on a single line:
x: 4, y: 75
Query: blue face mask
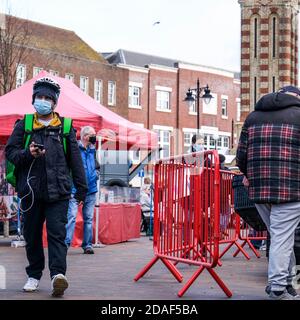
x: 42, y: 107
x: 198, y: 147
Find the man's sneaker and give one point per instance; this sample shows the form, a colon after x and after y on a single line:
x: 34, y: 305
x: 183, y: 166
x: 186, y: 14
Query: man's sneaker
x: 280, y: 295
x: 88, y: 251
x: 289, y: 288
x: 31, y: 285
x: 59, y: 284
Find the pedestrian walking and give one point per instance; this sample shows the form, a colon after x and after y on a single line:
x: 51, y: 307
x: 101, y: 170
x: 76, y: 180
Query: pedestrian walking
x: 268, y: 155
x: 43, y: 182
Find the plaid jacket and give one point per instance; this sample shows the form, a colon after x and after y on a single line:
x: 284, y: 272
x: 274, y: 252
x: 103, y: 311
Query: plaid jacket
x: 269, y: 150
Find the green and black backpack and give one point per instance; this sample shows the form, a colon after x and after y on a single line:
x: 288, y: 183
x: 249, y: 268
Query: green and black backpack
x: 28, y: 120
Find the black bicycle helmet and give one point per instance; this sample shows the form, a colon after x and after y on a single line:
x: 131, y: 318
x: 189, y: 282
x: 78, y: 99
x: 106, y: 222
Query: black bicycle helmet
x: 46, y: 87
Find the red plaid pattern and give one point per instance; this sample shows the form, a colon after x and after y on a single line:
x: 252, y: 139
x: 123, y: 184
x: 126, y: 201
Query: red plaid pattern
x: 269, y: 155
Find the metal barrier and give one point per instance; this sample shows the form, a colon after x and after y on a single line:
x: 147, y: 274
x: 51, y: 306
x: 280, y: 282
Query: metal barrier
x: 246, y: 234
x: 229, y: 220
x: 187, y: 215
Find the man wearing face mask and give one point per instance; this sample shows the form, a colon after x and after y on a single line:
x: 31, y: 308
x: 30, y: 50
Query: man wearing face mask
x: 43, y: 182
x: 91, y: 166
x: 197, y: 144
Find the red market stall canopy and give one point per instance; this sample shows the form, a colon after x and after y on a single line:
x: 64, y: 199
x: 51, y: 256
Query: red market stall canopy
x: 81, y: 108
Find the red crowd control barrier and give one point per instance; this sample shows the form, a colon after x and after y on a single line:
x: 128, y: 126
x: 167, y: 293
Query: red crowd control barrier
x: 246, y: 234
x: 187, y: 216
x: 229, y: 220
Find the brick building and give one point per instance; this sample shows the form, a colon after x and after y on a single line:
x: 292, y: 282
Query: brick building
x: 269, y: 48
x: 157, y: 89
x: 63, y: 53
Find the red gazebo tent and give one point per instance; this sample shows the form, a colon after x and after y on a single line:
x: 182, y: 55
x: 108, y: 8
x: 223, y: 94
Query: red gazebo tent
x: 81, y: 108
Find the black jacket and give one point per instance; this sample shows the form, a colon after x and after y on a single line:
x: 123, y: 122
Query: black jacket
x: 50, y: 176
x: 269, y: 149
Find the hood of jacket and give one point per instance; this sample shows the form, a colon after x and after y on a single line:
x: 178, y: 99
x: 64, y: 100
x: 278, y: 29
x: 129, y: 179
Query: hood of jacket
x: 277, y: 101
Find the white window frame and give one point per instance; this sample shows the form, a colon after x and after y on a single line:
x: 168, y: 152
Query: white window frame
x: 98, y: 90
x: 20, y: 75
x: 163, y: 101
x: 36, y: 71
x: 54, y: 73
x: 238, y: 109
x: 111, y: 93
x: 193, y: 109
x: 70, y: 76
x: 161, y: 130
x: 136, y: 160
x: 84, y: 84
x: 190, y: 132
x: 134, y: 101
x: 224, y: 98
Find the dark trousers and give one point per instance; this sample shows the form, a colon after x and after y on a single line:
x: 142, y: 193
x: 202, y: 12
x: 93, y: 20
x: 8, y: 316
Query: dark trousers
x: 55, y: 214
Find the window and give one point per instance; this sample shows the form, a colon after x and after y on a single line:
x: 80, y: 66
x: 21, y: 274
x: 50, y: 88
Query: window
x: 224, y: 108
x: 255, y: 38
x: 164, y: 138
x: 54, y: 73
x: 255, y: 90
x: 226, y: 142
x: 20, y: 75
x: 238, y: 107
x: 212, y: 106
x: 163, y: 100
x: 84, y: 84
x: 70, y: 76
x: 187, y: 141
x: 135, y: 156
x: 193, y: 108
x: 36, y: 71
x: 111, y: 93
x: 274, y: 37
x: 98, y: 89
x: 219, y: 144
x: 134, y: 96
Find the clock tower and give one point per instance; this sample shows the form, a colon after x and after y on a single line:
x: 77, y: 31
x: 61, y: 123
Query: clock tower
x: 269, y: 48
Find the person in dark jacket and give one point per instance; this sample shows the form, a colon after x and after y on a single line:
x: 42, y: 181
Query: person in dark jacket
x: 269, y: 156
x: 91, y: 167
x: 43, y: 183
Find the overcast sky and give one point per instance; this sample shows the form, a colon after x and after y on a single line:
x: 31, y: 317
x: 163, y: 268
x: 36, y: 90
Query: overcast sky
x: 204, y: 32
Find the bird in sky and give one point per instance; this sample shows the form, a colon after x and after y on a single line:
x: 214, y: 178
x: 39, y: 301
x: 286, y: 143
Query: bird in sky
x: 155, y: 23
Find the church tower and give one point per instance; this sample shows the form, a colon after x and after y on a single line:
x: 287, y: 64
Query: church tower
x: 269, y: 48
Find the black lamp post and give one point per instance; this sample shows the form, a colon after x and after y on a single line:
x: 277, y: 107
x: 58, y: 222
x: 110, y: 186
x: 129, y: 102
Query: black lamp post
x: 193, y: 95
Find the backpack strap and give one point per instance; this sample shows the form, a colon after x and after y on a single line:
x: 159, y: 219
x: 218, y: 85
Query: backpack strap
x: 67, y: 125
x: 28, y: 119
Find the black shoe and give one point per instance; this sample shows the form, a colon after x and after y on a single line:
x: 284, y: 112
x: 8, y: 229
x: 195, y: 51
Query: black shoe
x: 88, y: 251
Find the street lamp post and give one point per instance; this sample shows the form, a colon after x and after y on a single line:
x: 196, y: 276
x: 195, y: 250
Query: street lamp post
x: 193, y: 95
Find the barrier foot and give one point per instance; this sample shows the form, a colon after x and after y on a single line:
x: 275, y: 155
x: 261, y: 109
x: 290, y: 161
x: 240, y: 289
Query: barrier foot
x: 146, y: 269
x: 178, y: 276
x: 253, y: 248
x: 190, y: 282
x: 226, y: 249
x: 240, y: 248
x: 220, y: 283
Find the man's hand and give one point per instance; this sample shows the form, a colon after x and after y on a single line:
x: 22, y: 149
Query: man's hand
x: 245, y: 182
x: 79, y: 198
x: 35, y: 152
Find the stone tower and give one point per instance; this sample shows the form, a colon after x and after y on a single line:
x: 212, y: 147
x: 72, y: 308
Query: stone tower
x: 269, y: 48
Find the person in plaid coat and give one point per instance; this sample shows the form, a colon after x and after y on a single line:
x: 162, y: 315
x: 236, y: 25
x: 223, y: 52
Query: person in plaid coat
x: 268, y: 155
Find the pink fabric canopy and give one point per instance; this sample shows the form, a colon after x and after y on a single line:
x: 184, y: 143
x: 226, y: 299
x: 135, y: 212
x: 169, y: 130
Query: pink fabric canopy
x: 82, y: 109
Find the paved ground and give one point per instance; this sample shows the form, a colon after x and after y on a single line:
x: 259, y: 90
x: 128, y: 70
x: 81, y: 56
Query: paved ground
x: 108, y: 275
